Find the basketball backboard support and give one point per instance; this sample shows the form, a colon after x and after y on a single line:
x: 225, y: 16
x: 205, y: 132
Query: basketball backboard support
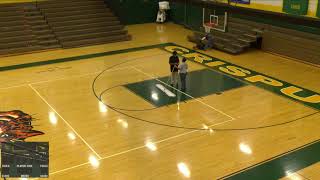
x: 214, y: 20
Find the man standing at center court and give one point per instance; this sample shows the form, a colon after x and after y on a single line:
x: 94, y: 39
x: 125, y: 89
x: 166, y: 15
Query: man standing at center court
x: 174, y: 63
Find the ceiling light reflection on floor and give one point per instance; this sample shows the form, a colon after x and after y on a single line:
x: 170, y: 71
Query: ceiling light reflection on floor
x: 150, y: 145
x: 71, y: 136
x: 154, y: 96
x: 53, y: 119
x: 123, y: 123
x: 184, y: 170
x: 94, y: 161
x: 245, y: 148
x: 102, y: 107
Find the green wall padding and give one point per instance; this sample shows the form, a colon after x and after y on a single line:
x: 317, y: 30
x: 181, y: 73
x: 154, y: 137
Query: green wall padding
x: 318, y: 10
x: 187, y: 14
x: 135, y: 11
x: 296, y: 7
x: 177, y: 12
x: 193, y: 16
x: 278, y: 23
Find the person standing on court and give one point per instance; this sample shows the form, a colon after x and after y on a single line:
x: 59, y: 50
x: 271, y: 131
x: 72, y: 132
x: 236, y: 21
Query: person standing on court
x: 183, y: 70
x: 174, y: 63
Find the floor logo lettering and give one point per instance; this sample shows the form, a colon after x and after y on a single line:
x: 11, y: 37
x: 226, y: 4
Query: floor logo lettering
x: 16, y: 126
x: 305, y: 96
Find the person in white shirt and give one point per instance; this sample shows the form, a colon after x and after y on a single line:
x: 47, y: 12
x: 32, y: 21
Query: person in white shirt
x: 183, y: 70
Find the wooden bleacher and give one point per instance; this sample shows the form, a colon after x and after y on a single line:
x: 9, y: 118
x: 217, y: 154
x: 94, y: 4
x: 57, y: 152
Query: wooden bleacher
x: 42, y: 25
x: 83, y: 22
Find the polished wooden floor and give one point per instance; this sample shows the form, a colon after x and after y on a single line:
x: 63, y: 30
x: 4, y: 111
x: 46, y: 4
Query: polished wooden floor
x: 90, y: 141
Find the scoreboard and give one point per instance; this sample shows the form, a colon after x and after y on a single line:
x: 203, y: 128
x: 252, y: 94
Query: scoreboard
x: 25, y: 159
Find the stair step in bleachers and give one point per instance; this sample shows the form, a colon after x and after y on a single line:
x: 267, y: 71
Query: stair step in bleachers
x: 110, y: 20
x: 72, y: 8
x: 63, y: 4
x: 16, y: 50
x: 92, y: 35
x: 27, y: 42
x: 88, y: 29
x: 77, y: 12
x: 79, y: 17
x: 100, y: 40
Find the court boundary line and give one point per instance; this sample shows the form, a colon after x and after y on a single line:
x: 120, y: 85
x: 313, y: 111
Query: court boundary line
x: 66, y: 122
x: 28, y: 84
x: 65, y: 78
x: 140, y: 147
x: 82, y: 57
x: 269, y: 160
x: 86, y: 74
x: 303, y: 176
x: 196, y: 99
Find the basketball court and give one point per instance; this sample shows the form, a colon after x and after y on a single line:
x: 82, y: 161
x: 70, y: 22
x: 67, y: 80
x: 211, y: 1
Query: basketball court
x: 109, y: 113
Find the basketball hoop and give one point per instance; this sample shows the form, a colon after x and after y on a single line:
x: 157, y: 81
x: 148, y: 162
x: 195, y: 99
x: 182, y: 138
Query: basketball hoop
x: 208, y: 26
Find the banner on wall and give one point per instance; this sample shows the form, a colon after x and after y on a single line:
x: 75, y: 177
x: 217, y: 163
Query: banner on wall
x: 296, y: 7
x: 318, y: 9
x: 241, y: 1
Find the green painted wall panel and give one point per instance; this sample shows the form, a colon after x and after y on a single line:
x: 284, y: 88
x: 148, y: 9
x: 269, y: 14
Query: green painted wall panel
x: 318, y: 10
x: 186, y: 14
x: 194, y: 19
x: 135, y: 11
x: 297, y: 7
x: 278, y: 23
x: 194, y: 16
x: 177, y: 12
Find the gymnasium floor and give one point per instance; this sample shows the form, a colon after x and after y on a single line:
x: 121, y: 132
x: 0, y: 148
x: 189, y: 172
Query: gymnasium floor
x: 222, y: 127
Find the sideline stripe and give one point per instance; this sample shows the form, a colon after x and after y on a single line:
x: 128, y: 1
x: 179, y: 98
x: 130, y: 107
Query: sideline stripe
x: 76, y: 58
x: 67, y: 123
x: 281, y: 165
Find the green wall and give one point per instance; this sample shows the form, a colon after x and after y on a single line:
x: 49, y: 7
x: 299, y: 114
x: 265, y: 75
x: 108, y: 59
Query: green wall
x: 296, y: 7
x: 145, y: 11
x: 318, y: 11
x: 193, y: 18
x: 134, y: 11
x: 186, y: 14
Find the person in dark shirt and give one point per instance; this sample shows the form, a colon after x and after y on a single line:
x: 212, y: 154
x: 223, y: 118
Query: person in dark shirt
x: 174, y: 63
x: 205, y: 42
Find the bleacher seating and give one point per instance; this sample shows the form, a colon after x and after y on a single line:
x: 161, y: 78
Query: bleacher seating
x: 23, y: 28
x: 52, y: 24
x: 237, y: 39
x: 83, y: 22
